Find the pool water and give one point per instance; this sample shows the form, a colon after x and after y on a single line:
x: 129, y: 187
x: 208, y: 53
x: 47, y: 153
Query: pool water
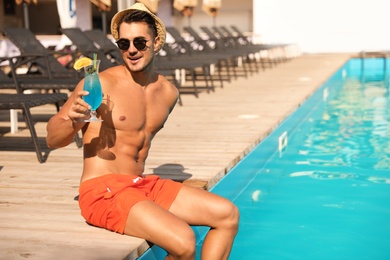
x: 325, y: 191
x: 318, y: 187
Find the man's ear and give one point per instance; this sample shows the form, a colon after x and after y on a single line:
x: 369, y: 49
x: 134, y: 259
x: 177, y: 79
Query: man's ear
x: 156, y: 43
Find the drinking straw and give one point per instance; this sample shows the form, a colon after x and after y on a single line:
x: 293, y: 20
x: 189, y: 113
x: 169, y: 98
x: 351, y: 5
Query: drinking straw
x: 94, y: 61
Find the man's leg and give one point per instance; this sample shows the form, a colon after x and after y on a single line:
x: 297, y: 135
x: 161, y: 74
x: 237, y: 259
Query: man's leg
x: 149, y: 221
x: 199, y: 207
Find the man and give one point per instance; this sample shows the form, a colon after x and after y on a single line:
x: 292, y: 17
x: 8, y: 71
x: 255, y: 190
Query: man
x: 114, y: 194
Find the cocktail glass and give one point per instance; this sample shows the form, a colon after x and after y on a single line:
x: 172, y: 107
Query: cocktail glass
x: 93, y: 86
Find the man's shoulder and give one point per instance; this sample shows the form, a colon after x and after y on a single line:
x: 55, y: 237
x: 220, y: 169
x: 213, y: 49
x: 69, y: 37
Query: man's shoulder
x: 115, y: 69
x: 164, y: 82
x: 112, y: 73
x: 166, y: 87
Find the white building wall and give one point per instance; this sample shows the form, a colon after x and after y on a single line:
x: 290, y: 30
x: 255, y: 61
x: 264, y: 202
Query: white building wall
x: 84, y: 14
x: 316, y: 26
x: 232, y: 12
x: 324, y: 26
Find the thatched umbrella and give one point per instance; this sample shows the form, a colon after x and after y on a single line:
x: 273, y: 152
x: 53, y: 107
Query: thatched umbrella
x: 186, y: 7
x: 152, y: 5
x: 211, y: 7
x: 25, y: 10
x: 103, y: 6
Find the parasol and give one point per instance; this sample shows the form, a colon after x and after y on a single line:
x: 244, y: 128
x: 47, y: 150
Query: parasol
x: 152, y: 5
x: 103, y: 6
x: 25, y: 10
x: 186, y: 7
x: 211, y: 7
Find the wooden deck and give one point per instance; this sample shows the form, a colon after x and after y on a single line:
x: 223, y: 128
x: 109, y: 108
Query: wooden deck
x: 202, y: 140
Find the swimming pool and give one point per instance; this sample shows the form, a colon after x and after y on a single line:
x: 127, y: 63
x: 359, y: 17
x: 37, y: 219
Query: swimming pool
x: 319, y: 185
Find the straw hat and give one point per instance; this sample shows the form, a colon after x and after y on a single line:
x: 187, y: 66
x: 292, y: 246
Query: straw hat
x: 161, y: 32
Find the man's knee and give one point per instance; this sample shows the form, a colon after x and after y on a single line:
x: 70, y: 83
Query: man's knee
x: 184, y: 244
x: 235, y: 216
x: 232, y: 216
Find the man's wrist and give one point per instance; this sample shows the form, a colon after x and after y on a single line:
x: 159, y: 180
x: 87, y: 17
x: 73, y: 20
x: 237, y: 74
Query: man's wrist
x: 77, y: 124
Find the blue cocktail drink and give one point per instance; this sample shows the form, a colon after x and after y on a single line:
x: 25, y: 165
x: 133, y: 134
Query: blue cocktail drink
x: 93, y: 86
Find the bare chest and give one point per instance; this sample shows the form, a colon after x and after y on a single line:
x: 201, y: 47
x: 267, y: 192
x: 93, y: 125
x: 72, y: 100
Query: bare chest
x: 132, y: 110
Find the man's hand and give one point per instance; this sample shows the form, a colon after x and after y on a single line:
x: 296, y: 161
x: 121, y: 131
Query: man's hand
x: 79, y: 111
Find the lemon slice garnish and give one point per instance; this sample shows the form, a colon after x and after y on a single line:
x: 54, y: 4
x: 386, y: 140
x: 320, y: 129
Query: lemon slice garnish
x: 81, y: 63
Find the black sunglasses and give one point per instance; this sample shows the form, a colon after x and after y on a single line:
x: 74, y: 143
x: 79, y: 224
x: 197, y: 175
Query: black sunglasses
x: 139, y: 43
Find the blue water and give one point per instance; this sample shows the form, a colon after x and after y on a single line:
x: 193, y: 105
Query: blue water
x: 327, y: 193
x: 318, y: 187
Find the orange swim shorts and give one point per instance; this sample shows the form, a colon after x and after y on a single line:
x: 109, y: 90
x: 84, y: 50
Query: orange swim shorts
x: 106, y: 201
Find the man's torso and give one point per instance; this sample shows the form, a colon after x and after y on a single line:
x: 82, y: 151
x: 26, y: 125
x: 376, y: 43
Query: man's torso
x: 131, y: 116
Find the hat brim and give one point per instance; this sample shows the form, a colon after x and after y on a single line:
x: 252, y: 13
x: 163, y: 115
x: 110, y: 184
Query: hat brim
x: 161, y: 31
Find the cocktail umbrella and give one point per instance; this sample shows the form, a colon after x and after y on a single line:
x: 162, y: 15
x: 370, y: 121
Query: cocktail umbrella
x: 152, y: 5
x: 103, y: 6
x: 186, y: 7
x: 211, y: 7
x: 25, y: 10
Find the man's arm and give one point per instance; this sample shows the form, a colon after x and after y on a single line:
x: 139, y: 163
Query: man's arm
x: 62, y: 127
x: 172, y: 94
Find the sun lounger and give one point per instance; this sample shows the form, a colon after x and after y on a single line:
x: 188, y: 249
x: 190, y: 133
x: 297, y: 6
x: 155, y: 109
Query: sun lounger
x: 25, y: 102
x: 46, y: 82
x: 276, y: 52
x: 190, y: 67
x: 192, y: 52
x: 105, y: 44
x: 212, y: 47
x: 87, y: 47
x: 28, y: 44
